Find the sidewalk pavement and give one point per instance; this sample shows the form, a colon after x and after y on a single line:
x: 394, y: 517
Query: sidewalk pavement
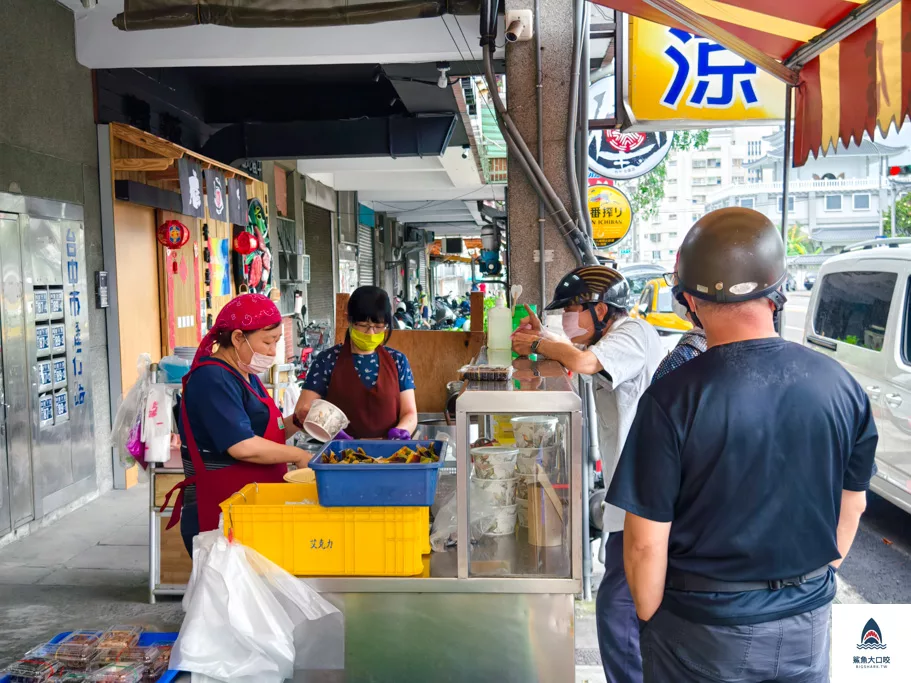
x: 89, y: 568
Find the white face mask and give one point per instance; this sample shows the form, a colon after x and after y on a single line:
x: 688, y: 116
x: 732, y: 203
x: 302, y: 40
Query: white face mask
x: 571, y: 327
x: 679, y: 309
x: 259, y: 362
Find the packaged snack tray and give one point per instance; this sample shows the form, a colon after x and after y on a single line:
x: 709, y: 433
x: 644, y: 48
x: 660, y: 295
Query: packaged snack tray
x: 33, y: 670
x: 118, y: 673
x: 120, y: 636
x: 73, y: 655
x: 150, y: 656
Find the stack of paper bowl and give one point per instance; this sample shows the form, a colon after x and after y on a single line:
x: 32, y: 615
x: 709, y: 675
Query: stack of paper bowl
x: 495, y: 480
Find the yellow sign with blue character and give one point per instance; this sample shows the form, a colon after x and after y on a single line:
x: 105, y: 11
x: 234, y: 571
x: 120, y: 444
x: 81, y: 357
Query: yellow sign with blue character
x: 677, y: 77
x: 611, y: 214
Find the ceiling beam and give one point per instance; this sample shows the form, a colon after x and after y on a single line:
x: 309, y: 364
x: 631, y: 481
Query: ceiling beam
x: 702, y: 26
x: 844, y: 28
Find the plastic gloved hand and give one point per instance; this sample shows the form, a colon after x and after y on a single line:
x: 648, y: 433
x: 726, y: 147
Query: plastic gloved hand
x: 343, y: 436
x: 397, y: 434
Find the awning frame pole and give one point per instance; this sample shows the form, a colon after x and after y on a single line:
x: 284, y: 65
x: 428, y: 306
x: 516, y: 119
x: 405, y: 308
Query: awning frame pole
x: 859, y: 18
x: 786, y: 170
x: 706, y: 28
x: 785, y: 179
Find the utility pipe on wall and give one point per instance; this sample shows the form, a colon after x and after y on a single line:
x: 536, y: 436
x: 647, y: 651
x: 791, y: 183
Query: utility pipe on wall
x: 539, y: 99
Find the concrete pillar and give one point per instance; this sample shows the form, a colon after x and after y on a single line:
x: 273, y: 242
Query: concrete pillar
x: 556, y: 23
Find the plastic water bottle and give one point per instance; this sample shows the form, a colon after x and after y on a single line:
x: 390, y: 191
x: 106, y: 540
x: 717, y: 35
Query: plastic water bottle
x: 499, y: 326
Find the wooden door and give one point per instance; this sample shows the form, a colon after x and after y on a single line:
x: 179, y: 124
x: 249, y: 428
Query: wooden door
x: 137, y: 279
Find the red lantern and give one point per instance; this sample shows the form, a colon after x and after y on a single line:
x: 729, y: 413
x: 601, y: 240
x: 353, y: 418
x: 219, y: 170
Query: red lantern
x: 245, y: 243
x: 173, y: 234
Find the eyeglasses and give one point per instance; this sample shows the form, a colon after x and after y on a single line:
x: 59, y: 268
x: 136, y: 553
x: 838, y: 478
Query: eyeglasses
x: 370, y: 328
x: 671, y: 279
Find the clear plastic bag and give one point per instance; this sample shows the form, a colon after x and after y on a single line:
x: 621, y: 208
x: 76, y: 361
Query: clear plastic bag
x: 249, y: 621
x: 445, y: 530
x: 132, y: 406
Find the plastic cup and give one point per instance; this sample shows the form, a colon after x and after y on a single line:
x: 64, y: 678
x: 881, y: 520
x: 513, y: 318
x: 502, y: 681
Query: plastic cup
x: 324, y: 421
x: 494, y: 462
x: 523, y: 483
x: 522, y: 512
x: 534, y: 431
x: 504, y: 522
x: 529, y: 457
x: 500, y: 491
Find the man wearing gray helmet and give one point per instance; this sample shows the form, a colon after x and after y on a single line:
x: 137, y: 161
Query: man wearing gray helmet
x: 744, y: 477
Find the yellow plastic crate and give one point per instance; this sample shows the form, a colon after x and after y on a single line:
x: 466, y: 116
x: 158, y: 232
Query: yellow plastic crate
x: 310, y: 540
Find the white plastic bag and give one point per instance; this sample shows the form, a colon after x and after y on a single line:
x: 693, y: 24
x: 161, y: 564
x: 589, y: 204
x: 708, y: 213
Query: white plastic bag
x: 157, y: 423
x: 249, y: 621
x: 133, y: 403
x: 445, y: 530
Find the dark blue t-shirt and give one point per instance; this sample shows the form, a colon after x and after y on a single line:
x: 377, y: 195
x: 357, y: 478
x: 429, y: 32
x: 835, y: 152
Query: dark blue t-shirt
x: 746, y: 450
x: 222, y: 410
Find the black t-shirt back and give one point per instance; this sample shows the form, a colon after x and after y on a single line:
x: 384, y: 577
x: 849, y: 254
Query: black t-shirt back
x: 746, y: 450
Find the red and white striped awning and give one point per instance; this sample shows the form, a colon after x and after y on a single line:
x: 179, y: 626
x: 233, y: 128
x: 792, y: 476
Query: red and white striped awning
x: 858, y: 84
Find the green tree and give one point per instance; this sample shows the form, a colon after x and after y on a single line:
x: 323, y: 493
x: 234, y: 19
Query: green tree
x: 645, y: 193
x: 902, y: 218
x: 799, y: 242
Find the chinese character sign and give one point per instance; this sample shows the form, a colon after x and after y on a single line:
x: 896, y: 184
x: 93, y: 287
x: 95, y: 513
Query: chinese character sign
x: 677, y: 76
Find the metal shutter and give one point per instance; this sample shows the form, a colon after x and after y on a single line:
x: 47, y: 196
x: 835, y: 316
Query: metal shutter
x: 422, y: 270
x: 318, y: 231
x: 364, y: 255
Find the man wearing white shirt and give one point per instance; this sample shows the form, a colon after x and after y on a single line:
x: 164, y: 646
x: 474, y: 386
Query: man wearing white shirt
x: 621, y: 354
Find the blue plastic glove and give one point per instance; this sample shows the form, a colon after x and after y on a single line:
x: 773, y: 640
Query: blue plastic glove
x: 397, y: 434
x: 343, y: 436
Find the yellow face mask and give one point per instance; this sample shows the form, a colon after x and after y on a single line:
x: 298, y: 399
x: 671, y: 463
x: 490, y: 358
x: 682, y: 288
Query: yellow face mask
x: 367, y: 342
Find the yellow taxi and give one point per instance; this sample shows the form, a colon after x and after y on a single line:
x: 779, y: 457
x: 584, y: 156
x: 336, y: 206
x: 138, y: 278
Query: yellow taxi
x: 655, y: 306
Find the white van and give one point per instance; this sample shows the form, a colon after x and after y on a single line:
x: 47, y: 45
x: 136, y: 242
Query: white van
x: 859, y: 315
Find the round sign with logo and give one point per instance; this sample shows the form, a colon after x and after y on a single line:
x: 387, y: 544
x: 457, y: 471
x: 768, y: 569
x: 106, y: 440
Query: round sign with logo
x: 611, y: 214
x: 621, y: 155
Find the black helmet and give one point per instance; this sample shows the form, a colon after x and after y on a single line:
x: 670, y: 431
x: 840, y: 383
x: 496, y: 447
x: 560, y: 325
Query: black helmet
x: 731, y: 255
x: 591, y: 284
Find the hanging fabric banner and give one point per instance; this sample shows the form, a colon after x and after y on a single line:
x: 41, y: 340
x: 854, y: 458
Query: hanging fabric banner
x: 237, y: 201
x: 215, y: 193
x: 190, y: 188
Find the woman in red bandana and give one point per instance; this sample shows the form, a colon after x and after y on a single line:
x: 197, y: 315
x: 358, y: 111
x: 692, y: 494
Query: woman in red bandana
x: 231, y: 431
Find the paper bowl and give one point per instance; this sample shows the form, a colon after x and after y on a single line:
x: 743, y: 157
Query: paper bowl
x: 523, y: 482
x: 302, y: 475
x: 522, y: 512
x: 504, y: 521
x: 499, y: 491
x: 529, y: 457
x: 534, y: 431
x: 494, y: 462
x: 324, y: 421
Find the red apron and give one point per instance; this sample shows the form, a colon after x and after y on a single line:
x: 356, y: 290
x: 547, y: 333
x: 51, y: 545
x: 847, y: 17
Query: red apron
x: 215, y: 486
x: 372, y: 412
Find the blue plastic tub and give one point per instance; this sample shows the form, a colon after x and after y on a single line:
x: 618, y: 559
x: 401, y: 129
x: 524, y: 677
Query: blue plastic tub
x: 145, y: 640
x: 386, y: 485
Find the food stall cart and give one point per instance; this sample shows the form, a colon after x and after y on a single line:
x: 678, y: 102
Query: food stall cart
x: 502, y: 608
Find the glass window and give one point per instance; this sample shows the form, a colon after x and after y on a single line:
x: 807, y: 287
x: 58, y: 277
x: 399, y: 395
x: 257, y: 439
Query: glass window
x: 665, y: 299
x: 672, y: 216
x: 655, y: 237
x: 906, y: 332
x: 656, y: 255
x: 645, y: 301
x: 861, y: 202
x: 854, y: 306
x: 833, y: 202
x: 790, y: 204
x: 747, y: 202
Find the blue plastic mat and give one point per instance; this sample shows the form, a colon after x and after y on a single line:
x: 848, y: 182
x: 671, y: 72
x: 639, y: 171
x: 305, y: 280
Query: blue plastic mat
x: 145, y: 640
x: 385, y: 485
